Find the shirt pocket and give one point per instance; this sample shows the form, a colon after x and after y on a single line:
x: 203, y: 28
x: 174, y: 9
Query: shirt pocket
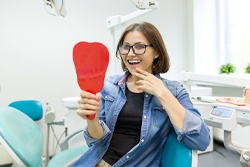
x: 107, y: 102
x: 159, y: 116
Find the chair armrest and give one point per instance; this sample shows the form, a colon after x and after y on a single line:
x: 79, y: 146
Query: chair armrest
x: 65, y: 144
x: 68, y: 156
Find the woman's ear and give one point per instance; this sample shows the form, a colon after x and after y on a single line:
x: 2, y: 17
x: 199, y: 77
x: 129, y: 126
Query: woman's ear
x: 156, y: 55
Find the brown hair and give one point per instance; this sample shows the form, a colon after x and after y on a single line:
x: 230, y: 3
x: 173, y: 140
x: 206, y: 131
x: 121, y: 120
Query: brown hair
x: 160, y: 64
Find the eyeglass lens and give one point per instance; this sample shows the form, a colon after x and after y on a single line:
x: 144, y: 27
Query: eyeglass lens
x: 137, y: 49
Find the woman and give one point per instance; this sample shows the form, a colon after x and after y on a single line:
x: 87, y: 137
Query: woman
x: 136, y: 110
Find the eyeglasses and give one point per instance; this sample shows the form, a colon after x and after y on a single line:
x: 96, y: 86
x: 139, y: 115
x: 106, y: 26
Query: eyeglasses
x: 138, y: 49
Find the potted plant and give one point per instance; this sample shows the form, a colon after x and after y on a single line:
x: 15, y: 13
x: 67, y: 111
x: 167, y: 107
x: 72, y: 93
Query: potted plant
x: 227, y: 68
x: 247, y: 69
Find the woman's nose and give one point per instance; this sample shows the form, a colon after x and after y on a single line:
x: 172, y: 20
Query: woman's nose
x: 131, y: 52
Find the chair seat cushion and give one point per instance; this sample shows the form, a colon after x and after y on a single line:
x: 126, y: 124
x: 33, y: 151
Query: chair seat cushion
x: 68, y: 156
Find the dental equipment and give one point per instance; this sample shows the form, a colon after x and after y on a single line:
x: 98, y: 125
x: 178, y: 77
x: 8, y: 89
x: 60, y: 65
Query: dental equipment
x: 49, y: 118
x: 144, y: 7
x: 219, y: 79
x: 55, y: 7
x: 227, y: 117
x: 23, y: 139
x: 50, y: 121
x: 230, y: 115
x: 145, y: 4
x: 230, y: 100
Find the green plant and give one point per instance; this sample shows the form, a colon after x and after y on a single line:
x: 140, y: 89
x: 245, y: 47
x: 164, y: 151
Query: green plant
x: 227, y: 68
x: 247, y: 69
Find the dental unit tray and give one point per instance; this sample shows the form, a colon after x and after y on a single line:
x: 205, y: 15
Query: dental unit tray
x: 242, y: 113
x: 212, y: 99
x: 221, y: 117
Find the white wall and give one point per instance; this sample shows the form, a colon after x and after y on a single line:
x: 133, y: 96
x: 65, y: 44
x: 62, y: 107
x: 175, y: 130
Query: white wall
x: 36, y: 48
x: 204, y: 37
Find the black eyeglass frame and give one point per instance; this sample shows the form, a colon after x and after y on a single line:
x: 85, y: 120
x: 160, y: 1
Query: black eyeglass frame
x: 132, y: 46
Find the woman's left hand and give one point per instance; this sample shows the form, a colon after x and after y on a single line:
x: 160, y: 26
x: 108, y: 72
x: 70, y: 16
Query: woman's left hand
x: 148, y: 82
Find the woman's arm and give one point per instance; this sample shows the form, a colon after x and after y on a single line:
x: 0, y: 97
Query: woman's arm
x: 153, y: 85
x: 90, y: 104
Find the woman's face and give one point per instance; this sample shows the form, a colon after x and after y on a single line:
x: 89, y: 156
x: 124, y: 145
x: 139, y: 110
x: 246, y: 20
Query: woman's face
x: 132, y: 60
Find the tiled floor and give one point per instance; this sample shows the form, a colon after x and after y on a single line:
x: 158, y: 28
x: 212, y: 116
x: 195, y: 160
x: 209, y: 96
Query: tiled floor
x: 220, y: 157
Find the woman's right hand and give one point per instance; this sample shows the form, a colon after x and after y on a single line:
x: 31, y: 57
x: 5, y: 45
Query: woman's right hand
x: 89, y: 104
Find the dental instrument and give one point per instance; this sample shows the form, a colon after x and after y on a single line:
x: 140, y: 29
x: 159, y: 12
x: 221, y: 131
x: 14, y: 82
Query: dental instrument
x: 213, y: 99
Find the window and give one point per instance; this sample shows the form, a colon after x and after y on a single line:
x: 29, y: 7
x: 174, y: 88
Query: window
x: 237, y: 33
x: 219, y: 33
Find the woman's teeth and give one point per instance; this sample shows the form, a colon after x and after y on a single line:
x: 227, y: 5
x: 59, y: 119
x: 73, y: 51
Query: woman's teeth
x: 134, y: 61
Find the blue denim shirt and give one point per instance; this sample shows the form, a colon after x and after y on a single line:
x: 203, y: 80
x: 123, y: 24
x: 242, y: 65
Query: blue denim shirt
x: 154, y: 130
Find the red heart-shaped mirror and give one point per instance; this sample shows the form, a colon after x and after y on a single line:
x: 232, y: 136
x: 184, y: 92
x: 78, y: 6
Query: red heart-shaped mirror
x: 91, y: 62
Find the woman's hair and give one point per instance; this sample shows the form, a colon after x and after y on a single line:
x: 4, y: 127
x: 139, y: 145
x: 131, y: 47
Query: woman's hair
x: 160, y: 64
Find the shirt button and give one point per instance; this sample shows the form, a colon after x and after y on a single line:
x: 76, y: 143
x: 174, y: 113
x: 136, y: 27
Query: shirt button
x: 146, y: 95
x: 145, y: 116
x: 106, y: 97
x: 142, y: 140
x: 127, y: 156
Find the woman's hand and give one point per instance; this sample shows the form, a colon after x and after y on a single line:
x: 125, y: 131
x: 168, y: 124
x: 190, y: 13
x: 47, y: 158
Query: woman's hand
x: 148, y: 82
x: 151, y: 84
x: 89, y: 104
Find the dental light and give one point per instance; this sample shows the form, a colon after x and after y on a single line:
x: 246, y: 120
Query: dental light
x: 55, y: 7
x: 144, y: 6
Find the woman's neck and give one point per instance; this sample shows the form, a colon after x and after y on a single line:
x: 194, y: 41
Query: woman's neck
x: 132, y: 85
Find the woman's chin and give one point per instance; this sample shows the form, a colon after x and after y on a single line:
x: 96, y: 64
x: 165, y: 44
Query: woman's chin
x: 132, y: 69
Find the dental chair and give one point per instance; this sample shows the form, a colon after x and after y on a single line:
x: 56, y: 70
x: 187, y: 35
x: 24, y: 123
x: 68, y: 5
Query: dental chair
x: 31, y: 108
x: 176, y: 154
x: 23, y: 139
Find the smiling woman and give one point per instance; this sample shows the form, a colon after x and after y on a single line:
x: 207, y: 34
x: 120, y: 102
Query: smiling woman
x: 138, y: 36
x: 135, y: 111
x: 141, y: 55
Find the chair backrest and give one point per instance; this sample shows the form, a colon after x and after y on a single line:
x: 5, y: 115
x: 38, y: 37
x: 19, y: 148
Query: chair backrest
x: 21, y: 136
x: 177, y: 154
x: 32, y: 108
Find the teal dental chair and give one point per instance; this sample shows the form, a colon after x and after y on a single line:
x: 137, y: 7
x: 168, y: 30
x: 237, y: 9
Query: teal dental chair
x: 176, y: 154
x: 31, y: 108
x: 22, y: 137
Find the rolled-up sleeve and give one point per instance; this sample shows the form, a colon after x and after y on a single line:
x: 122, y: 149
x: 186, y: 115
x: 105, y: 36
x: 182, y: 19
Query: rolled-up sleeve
x: 92, y: 141
x: 195, y: 133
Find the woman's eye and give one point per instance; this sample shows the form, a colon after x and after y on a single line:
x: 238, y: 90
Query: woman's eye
x: 139, y: 46
x: 125, y: 47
